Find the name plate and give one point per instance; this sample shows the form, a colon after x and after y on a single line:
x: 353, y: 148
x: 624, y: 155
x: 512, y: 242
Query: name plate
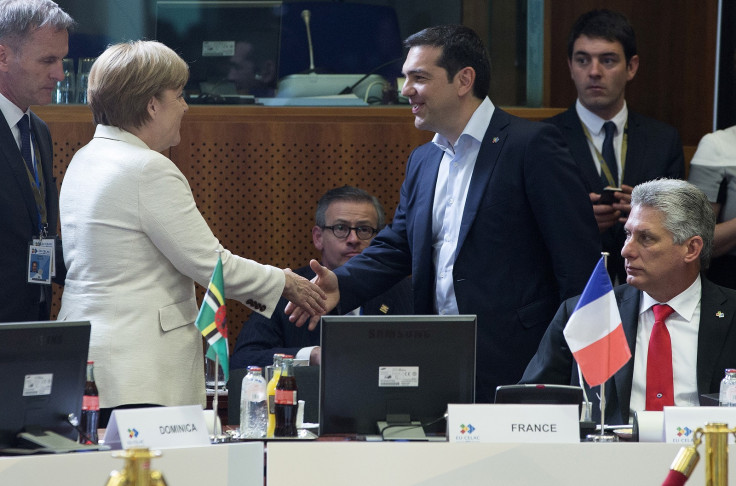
x: 680, y: 423
x: 157, y: 428
x: 513, y: 423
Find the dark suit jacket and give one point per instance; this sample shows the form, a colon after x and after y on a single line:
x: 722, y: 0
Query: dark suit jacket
x: 528, y: 239
x: 554, y: 363
x: 261, y: 338
x: 654, y: 150
x: 19, y: 300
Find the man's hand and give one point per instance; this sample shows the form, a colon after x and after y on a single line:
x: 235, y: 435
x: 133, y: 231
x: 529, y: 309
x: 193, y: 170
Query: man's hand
x: 315, y: 356
x: 624, y: 202
x: 326, y: 280
x: 606, y: 215
x: 304, y: 293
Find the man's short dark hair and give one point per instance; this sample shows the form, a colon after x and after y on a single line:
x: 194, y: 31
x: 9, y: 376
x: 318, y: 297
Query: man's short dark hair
x: 348, y: 193
x: 461, y: 47
x: 604, y: 24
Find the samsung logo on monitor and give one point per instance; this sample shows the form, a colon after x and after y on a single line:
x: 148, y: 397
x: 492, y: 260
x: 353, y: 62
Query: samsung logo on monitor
x: 50, y: 339
x: 398, y: 334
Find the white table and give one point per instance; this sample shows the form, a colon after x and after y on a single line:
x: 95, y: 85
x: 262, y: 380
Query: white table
x: 238, y: 464
x: 440, y: 464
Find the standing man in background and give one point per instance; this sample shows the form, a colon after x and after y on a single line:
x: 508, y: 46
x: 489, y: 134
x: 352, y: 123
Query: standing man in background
x: 613, y: 147
x: 34, y: 39
x: 493, y: 218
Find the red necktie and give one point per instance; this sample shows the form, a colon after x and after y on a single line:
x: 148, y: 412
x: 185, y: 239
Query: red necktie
x: 660, y: 392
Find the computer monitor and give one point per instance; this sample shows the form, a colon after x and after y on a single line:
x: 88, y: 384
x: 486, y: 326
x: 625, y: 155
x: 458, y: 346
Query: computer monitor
x: 232, y: 48
x: 42, y: 380
x: 399, y: 371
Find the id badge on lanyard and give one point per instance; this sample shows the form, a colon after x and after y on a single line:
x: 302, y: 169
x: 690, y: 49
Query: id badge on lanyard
x: 41, y: 250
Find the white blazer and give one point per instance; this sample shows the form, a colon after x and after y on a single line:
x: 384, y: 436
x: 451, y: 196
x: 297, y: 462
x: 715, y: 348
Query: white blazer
x: 134, y: 244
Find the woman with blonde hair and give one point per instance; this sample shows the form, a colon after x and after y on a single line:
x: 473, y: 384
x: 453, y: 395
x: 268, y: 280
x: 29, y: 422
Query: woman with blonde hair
x: 135, y: 243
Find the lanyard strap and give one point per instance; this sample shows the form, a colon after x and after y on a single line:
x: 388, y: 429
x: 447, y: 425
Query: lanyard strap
x: 38, y: 189
x: 604, y: 167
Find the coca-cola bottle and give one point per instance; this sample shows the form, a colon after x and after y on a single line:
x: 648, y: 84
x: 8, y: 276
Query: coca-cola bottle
x: 286, y: 401
x: 90, y: 408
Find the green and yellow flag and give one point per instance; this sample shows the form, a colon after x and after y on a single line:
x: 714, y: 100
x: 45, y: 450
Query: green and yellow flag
x: 212, y: 322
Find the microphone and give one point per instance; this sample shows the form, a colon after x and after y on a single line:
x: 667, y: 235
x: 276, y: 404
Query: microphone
x: 349, y: 89
x: 306, y: 14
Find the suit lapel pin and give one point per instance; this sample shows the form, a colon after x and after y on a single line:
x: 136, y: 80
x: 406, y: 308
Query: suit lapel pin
x: 720, y: 315
x: 384, y: 308
x: 495, y: 140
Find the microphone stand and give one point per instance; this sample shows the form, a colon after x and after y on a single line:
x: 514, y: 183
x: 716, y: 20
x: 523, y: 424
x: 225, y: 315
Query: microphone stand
x: 349, y: 89
x: 306, y: 15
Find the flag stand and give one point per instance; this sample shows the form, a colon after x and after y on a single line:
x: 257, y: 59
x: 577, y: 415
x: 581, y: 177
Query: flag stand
x: 602, y: 436
x: 215, y: 403
x: 212, y: 323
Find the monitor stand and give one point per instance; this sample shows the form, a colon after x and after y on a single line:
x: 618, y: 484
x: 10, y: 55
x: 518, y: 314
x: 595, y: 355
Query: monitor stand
x: 47, y: 442
x: 401, y: 427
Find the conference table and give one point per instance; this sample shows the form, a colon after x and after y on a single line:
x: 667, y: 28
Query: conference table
x: 339, y: 462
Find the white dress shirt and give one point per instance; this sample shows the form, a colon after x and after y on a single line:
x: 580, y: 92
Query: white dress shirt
x: 594, y: 124
x: 12, y: 115
x: 683, y: 326
x: 453, y: 181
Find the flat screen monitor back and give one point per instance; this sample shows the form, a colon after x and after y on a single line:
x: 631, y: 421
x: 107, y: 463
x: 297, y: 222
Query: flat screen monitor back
x: 378, y: 367
x: 42, y: 379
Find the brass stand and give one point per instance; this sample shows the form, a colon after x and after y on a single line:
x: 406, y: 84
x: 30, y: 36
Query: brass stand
x: 716, y: 454
x: 137, y: 470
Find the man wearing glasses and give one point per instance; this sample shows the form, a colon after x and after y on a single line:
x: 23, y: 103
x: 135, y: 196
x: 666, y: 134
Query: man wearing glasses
x: 346, y: 221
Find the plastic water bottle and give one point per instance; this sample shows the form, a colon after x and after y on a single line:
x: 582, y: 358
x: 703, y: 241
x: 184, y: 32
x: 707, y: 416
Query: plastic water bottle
x: 728, y: 389
x: 253, y: 405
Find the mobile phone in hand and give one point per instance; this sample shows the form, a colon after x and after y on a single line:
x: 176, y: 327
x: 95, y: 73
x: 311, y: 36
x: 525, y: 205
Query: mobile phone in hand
x: 607, y: 196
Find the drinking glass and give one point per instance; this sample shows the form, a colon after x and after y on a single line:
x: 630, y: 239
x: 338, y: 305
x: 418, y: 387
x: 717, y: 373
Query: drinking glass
x: 64, y: 92
x: 83, y: 68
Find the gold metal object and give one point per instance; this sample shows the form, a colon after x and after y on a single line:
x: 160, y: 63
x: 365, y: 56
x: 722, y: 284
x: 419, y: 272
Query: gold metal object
x: 716, y: 454
x: 137, y: 470
x: 685, y: 461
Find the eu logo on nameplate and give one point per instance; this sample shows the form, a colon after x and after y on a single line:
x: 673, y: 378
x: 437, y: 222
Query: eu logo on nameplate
x: 157, y: 427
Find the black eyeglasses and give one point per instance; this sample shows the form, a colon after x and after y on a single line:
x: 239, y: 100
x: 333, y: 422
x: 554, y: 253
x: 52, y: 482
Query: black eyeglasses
x: 342, y: 231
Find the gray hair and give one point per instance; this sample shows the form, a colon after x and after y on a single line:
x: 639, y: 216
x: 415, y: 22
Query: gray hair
x: 348, y: 193
x: 686, y: 210
x: 19, y: 18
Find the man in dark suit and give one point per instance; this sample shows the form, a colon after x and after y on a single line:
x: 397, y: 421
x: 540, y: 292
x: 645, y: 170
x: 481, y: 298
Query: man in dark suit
x: 346, y: 221
x: 33, y: 42
x: 602, y: 58
x: 669, y: 243
x: 493, y: 218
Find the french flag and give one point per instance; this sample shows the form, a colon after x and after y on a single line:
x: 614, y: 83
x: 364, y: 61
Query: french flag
x: 594, y: 332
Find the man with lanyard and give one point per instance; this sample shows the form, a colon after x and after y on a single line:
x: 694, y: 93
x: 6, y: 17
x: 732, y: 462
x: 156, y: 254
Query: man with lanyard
x: 613, y: 147
x: 33, y: 41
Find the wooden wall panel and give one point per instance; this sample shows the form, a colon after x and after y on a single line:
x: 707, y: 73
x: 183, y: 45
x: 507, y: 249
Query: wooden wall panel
x: 257, y: 175
x: 676, y: 41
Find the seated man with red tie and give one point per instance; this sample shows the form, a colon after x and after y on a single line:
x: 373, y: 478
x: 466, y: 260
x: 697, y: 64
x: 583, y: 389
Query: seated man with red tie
x: 680, y: 327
